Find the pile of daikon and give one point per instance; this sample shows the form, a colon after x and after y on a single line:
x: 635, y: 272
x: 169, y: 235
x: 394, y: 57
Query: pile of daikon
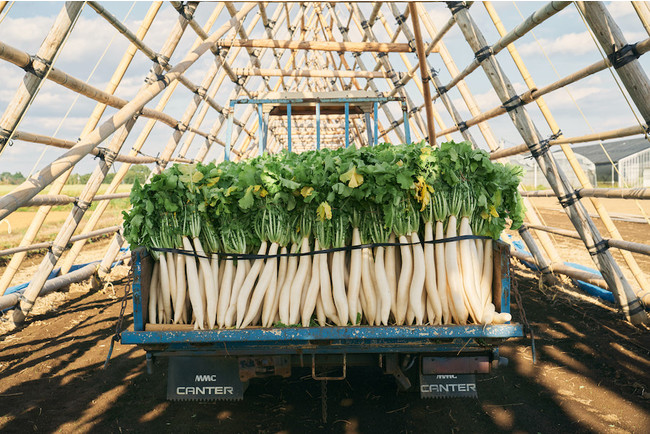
x: 342, y: 237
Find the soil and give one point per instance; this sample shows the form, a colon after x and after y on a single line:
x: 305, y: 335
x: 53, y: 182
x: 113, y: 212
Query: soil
x: 591, y: 375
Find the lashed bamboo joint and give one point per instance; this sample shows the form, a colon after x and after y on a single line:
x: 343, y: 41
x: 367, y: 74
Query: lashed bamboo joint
x: 315, y: 48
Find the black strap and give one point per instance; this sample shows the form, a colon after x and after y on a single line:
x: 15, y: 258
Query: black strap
x: 483, y: 53
x: 401, y: 19
x: 343, y: 30
x: 513, y: 103
x: 598, y: 248
x: 382, y: 54
x: 364, y: 24
x: 456, y: 7
x: 237, y: 256
x: 442, y: 90
x: 462, y: 126
x: 623, y: 55
x: 569, y: 199
x: 30, y: 67
x: 539, y: 149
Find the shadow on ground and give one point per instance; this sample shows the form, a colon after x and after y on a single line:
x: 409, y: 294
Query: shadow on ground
x: 591, y: 375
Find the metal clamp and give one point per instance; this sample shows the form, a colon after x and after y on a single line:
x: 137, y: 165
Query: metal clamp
x: 316, y: 377
x: 30, y: 67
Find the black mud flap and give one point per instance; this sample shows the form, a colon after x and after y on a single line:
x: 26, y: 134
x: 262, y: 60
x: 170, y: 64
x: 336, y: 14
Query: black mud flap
x: 448, y: 386
x: 204, y: 379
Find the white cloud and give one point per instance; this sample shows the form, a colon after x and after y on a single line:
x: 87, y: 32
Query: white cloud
x: 620, y: 9
x: 567, y: 44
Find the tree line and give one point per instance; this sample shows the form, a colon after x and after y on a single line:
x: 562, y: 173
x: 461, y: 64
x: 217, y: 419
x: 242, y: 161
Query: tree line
x: 138, y: 171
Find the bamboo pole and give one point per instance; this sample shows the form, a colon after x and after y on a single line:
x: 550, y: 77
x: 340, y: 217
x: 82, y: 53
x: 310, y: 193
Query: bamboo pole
x: 217, y: 127
x: 69, y: 144
x: 534, y: 93
x: 424, y: 73
x: 24, y: 60
x: 36, y: 183
x: 451, y: 109
x: 327, y: 33
x: 571, y: 157
x: 590, y: 235
x: 486, y: 132
x: 643, y: 11
x: 121, y: 174
x: 90, y: 189
x: 605, y: 135
x: 308, y: 73
x: 42, y: 65
x: 437, y: 37
x: 629, y: 246
x: 98, y: 175
x: 530, y: 23
x: 353, y: 47
x: 565, y: 270
x: 612, y: 40
x: 358, y: 18
x: 64, y: 199
x: 91, y: 123
x: 47, y: 245
x: 606, y: 193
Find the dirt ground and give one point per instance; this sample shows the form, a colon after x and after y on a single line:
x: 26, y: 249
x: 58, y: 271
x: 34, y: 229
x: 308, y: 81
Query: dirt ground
x: 591, y: 375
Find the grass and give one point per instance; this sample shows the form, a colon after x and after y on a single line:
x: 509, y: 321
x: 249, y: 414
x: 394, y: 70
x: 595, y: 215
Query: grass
x: 55, y: 219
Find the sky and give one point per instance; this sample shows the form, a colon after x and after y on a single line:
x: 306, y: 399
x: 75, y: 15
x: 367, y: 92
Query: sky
x: 557, y: 47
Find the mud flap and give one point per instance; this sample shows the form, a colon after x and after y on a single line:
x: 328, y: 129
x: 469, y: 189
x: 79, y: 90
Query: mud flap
x: 204, y: 379
x: 448, y: 386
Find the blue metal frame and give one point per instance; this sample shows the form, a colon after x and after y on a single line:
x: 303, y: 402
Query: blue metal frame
x: 262, y: 137
x: 375, y: 110
x: 260, y: 129
x: 323, y: 340
x: 347, y: 124
x: 318, y: 126
x: 289, y: 126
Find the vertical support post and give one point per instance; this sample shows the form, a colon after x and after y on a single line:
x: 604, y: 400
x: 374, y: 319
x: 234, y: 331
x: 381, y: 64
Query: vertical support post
x: 368, y: 129
x: 424, y: 72
x: 407, y: 129
x: 265, y: 130
x: 231, y: 119
x: 347, y: 124
x: 289, y: 127
x: 376, y: 123
x: 260, y: 132
x: 318, y: 126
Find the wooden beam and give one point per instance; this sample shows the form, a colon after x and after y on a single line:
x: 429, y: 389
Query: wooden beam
x: 424, y: 73
x: 606, y: 193
x: 328, y: 73
x: 352, y: 47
